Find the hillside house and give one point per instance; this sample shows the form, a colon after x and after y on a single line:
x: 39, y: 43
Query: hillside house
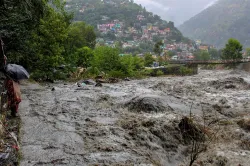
x: 167, y: 30
x: 182, y: 46
x: 203, y: 48
x: 104, y: 18
x: 140, y: 17
x: 170, y: 47
x: 155, y: 28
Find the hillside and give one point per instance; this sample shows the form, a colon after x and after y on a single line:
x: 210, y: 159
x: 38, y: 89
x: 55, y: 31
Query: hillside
x: 215, y: 25
x: 123, y: 20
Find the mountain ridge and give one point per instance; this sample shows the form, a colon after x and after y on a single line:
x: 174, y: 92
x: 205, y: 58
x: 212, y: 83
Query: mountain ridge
x: 223, y: 20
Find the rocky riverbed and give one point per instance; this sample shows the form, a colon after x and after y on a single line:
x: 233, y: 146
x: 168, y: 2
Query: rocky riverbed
x: 137, y: 122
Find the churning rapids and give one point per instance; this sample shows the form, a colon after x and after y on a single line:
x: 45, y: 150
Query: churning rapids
x: 135, y: 122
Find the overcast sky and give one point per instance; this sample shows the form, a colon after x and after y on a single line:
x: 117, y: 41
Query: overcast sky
x: 176, y: 10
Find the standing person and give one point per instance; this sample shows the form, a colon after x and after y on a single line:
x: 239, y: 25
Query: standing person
x: 12, y: 87
x: 13, y: 95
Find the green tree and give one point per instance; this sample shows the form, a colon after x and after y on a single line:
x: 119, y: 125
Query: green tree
x: 79, y: 36
x: 106, y: 59
x: 83, y: 57
x: 47, y: 44
x: 205, y: 56
x: 148, y: 60
x: 138, y: 63
x: 127, y: 63
x: 232, y: 50
x: 202, y: 55
x: 158, y: 48
x: 214, y: 53
x: 17, y: 20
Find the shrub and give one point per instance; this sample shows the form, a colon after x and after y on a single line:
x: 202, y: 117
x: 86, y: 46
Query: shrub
x: 117, y: 74
x: 185, y: 70
x: 159, y: 73
x: 148, y: 72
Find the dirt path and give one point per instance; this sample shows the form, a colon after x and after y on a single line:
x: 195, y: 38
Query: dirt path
x: 128, y: 123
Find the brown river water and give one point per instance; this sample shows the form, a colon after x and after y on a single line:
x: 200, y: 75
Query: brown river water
x: 135, y: 122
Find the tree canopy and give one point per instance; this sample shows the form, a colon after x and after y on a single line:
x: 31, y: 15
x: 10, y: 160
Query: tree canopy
x: 232, y: 50
x: 158, y: 48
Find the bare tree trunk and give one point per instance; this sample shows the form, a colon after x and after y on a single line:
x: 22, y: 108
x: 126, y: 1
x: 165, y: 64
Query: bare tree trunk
x: 2, y: 76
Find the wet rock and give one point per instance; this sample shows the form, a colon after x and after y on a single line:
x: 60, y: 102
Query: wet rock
x: 221, y: 161
x: 127, y: 79
x: 149, y: 104
x: 99, y: 77
x: 87, y: 119
x: 223, y: 101
x: 101, y: 81
x: 113, y: 80
x: 230, y: 86
x: 98, y: 84
x: 78, y: 84
x: 229, y: 83
x: 89, y: 82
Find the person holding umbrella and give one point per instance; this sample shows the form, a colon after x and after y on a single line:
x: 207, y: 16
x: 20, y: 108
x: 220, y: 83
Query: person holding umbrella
x: 14, y: 73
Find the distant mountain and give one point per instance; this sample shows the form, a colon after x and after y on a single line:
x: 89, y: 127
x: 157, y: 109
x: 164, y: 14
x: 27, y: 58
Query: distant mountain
x: 216, y: 24
x: 135, y: 20
x: 177, y: 11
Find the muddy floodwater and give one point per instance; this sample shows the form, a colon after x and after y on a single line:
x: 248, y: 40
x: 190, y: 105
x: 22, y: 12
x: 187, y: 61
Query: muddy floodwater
x: 136, y: 122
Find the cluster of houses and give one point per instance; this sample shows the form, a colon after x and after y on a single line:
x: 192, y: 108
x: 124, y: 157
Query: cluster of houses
x: 141, y: 33
x: 138, y: 32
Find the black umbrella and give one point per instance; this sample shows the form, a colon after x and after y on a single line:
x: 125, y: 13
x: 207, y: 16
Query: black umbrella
x: 16, y: 72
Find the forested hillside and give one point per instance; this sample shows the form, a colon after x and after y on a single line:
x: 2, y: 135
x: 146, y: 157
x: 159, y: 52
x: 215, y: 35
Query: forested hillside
x: 215, y: 25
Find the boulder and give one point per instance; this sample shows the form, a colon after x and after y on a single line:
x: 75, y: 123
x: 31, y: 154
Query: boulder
x: 148, y: 104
